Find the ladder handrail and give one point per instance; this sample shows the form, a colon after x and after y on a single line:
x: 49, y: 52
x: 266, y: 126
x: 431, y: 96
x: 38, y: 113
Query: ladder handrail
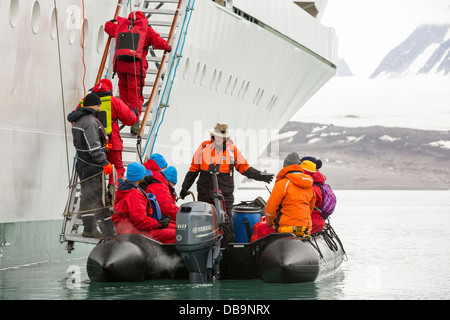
x: 105, y: 52
x: 160, y: 69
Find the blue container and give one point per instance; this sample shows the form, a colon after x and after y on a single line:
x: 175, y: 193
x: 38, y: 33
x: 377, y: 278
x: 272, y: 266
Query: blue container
x: 244, y: 218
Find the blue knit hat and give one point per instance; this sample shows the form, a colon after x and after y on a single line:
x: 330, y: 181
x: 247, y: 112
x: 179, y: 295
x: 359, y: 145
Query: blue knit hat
x: 135, y: 171
x: 159, y: 159
x: 171, y: 174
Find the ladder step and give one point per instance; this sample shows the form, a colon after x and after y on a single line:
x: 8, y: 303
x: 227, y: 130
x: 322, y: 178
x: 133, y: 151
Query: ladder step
x: 158, y: 11
x: 164, y: 1
x: 128, y: 135
x: 161, y: 23
x: 130, y: 149
x: 154, y: 59
x: 153, y: 71
x: 76, y: 237
x: 150, y: 83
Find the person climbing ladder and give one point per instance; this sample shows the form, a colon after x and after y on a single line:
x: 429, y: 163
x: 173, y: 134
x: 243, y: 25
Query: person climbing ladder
x: 133, y: 39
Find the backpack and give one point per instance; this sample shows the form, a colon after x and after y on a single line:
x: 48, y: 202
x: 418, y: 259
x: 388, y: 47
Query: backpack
x: 328, y: 200
x: 156, y: 210
x: 130, y: 38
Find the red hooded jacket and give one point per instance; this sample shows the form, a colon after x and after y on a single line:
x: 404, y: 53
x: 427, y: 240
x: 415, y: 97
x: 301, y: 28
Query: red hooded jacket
x: 317, y: 221
x: 132, y: 210
x: 152, y: 38
x: 162, y: 191
x: 119, y: 111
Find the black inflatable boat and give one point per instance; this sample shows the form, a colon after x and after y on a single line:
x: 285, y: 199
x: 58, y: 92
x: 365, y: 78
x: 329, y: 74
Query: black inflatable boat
x: 196, y: 254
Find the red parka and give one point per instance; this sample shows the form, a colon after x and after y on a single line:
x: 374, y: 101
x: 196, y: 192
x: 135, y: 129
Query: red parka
x: 162, y: 191
x: 317, y: 221
x: 152, y: 38
x: 132, y: 214
x: 131, y: 205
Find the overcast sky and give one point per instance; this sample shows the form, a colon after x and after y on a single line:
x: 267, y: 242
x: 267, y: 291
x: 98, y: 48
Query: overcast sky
x: 368, y: 30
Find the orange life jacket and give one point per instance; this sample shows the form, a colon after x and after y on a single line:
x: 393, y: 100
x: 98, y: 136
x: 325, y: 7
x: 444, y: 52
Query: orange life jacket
x: 227, y: 159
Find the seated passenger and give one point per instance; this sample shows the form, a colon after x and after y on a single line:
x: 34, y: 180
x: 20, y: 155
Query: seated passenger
x: 317, y: 221
x: 164, y: 193
x: 133, y: 210
x: 292, y: 199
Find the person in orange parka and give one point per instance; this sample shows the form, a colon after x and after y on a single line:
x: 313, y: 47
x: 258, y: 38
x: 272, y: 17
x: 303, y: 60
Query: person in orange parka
x: 119, y: 111
x: 131, y: 74
x: 317, y: 221
x: 133, y: 210
x: 289, y: 207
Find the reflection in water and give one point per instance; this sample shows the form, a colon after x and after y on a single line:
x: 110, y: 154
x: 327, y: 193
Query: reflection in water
x: 390, y: 256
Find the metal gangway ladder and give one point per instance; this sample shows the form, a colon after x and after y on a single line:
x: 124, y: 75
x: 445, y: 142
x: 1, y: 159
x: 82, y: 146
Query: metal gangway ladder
x: 168, y: 18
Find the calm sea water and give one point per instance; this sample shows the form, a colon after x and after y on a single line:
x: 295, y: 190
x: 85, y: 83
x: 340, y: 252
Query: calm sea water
x: 397, y: 243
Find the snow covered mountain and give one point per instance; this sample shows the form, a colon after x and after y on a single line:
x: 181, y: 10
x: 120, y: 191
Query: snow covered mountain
x: 343, y: 70
x: 425, y: 51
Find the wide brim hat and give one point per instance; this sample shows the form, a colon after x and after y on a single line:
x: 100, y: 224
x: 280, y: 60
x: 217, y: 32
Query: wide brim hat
x: 221, y: 130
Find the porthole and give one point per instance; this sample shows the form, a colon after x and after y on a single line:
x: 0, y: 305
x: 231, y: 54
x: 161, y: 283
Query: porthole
x: 186, y: 69
x: 256, y: 96
x: 100, y: 39
x: 260, y: 97
x: 14, y: 13
x: 35, y: 17
x: 197, y: 72
x: 219, y: 78
x: 228, y: 84
x: 245, y: 90
x: 213, y: 79
x: 71, y: 21
x: 234, y: 85
x: 53, y: 30
x: 241, y: 89
x: 202, y: 79
x: 86, y: 34
x: 274, y: 103
x: 272, y: 100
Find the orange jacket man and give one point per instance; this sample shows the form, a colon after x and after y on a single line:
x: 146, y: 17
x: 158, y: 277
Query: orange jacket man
x: 220, y: 151
x: 292, y: 200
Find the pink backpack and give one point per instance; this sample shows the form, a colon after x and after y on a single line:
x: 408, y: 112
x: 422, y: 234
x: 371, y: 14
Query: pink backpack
x: 328, y: 201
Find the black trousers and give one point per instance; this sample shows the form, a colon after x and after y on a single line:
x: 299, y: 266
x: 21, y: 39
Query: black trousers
x: 94, y: 199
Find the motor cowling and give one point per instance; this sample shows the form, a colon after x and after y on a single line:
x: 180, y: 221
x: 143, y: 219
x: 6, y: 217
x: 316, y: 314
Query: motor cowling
x: 198, y: 240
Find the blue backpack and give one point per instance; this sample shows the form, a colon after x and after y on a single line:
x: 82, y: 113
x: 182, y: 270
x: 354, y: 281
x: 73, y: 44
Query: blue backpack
x: 155, y: 206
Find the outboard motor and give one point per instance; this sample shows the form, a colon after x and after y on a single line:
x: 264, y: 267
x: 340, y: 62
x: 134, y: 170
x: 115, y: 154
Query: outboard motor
x: 198, y: 240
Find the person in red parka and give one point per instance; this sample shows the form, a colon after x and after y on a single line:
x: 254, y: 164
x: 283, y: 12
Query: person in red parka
x: 317, y: 221
x: 132, y: 74
x: 158, y: 184
x: 133, y: 210
x: 119, y: 111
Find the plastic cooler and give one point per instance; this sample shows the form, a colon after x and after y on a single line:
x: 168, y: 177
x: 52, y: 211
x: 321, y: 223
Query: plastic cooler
x: 244, y: 218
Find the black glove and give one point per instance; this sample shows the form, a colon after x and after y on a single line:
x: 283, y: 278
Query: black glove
x: 135, y: 111
x: 183, y: 193
x: 163, y: 222
x: 267, y: 177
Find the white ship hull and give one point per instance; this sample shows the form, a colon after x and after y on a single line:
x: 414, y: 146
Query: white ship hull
x: 252, y: 77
